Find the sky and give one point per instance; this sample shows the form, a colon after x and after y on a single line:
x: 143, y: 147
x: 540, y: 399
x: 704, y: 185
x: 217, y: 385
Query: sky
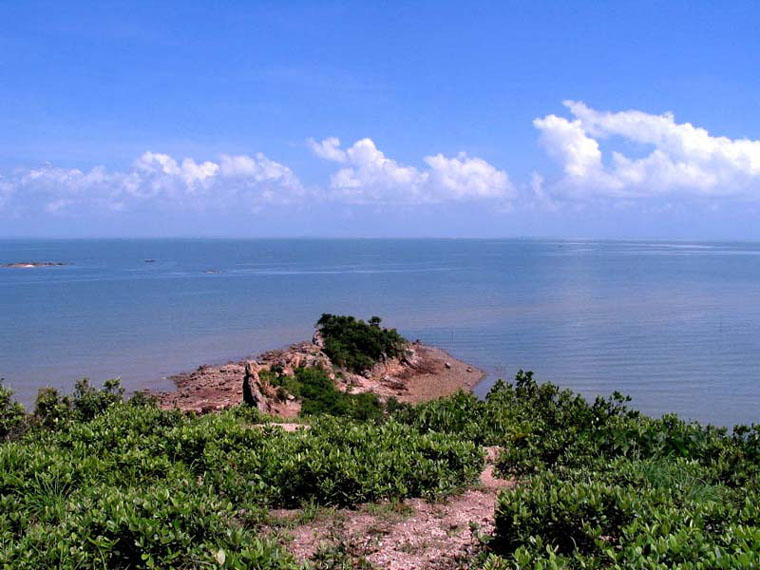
x: 620, y: 120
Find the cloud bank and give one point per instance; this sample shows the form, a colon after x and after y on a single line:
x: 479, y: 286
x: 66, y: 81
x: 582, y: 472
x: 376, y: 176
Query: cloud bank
x: 622, y: 157
x: 155, y: 180
x: 370, y: 177
x: 675, y: 159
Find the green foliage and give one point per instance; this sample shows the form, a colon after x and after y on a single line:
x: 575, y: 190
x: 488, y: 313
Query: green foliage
x: 113, y: 484
x: 11, y: 413
x: 88, y: 401
x: 97, y: 482
x: 356, y: 345
x: 603, y: 486
x: 51, y: 409
x: 54, y: 410
x: 319, y: 396
x: 611, y: 488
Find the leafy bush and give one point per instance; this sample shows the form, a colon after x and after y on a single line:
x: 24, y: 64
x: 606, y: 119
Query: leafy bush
x: 613, y: 488
x: 88, y: 401
x: 603, y: 486
x: 126, y: 485
x: 356, y: 345
x: 53, y: 409
x: 97, y: 482
x: 11, y: 413
x: 319, y: 395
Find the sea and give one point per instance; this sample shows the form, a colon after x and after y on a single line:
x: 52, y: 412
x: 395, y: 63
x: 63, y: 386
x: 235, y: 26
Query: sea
x: 675, y: 325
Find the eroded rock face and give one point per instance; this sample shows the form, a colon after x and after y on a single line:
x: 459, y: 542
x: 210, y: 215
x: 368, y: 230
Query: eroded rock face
x: 304, y: 354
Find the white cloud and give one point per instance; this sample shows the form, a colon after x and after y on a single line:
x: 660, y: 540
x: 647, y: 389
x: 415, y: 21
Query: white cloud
x: 158, y: 179
x: 679, y: 158
x: 328, y: 149
x: 371, y: 177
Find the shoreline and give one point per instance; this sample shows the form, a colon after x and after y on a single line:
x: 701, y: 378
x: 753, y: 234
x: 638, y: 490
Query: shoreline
x: 429, y: 373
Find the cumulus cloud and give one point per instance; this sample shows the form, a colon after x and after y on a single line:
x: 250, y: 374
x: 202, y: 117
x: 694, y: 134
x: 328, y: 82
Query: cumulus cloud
x: 155, y: 179
x: 371, y: 177
x: 328, y: 149
x: 678, y: 158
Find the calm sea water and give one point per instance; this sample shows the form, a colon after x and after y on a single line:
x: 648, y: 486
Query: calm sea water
x: 675, y: 325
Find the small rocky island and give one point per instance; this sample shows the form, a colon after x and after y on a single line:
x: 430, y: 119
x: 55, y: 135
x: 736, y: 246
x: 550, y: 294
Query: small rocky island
x: 356, y: 357
x: 32, y: 264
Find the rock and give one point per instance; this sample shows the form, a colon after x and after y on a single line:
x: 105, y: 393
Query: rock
x: 469, y: 369
x: 251, y: 388
x: 317, y: 339
x: 447, y: 364
x: 393, y: 383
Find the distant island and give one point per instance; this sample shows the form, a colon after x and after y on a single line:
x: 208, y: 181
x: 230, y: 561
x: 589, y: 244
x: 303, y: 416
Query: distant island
x: 32, y: 264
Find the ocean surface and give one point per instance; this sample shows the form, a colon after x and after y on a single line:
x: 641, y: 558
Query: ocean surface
x: 675, y: 325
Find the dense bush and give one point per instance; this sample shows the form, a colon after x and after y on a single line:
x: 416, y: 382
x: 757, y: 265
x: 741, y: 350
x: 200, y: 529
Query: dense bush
x: 613, y: 488
x: 356, y: 345
x: 96, y: 482
x: 126, y: 485
x: 320, y: 396
x: 11, y: 413
x: 52, y: 409
x: 603, y: 486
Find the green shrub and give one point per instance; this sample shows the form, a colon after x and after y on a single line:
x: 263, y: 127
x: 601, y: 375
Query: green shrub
x: 356, y: 345
x: 51, y: 409
x: 11, y: 413
x: 97, y: 482
x: 611, y: 488
x: 127, y: 485
x: 320, y: 396
x: 88, y: 401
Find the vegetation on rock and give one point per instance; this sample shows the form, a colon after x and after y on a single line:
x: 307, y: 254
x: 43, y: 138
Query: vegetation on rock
x: 356, y: 345
x: 319, y: 395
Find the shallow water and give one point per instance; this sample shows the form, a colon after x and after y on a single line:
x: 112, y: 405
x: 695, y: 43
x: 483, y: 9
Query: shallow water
x: 675, y: 325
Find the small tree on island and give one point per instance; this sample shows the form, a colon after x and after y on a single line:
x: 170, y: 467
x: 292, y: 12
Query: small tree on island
x: 356, y: 345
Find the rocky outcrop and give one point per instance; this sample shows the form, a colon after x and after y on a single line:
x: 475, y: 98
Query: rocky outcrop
x: 252, y: 395
x: 422, y: 373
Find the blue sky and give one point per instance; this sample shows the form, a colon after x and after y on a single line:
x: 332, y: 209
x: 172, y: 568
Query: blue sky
x: 574, y: 119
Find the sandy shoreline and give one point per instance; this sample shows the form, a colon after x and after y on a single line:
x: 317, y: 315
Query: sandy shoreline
x: 428, y: 373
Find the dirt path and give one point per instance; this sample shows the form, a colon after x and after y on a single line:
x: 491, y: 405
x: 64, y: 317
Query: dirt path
x: 413, y: 535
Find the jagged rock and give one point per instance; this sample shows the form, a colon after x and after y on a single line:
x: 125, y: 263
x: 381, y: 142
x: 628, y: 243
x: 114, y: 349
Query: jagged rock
x: 252, y: 395
x: 447, y: 364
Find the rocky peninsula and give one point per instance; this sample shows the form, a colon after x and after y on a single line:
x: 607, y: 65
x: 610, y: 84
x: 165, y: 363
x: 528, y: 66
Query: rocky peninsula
x: 422, y: 373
